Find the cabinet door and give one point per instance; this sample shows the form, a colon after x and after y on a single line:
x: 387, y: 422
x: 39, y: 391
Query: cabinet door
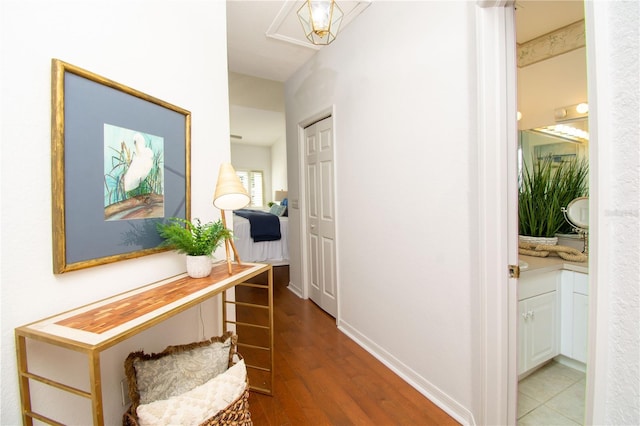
x: 522, y: 336
x: 565, y: 295
x: 542, y: 329
x: 580, y: 326
x: 581, y: 283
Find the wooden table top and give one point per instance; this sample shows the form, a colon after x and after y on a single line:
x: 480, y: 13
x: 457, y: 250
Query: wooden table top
x: 105, y: 322
x: 114, y: 314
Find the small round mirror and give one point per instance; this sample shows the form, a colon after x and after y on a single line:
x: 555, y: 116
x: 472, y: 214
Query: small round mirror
x: 578, y: 212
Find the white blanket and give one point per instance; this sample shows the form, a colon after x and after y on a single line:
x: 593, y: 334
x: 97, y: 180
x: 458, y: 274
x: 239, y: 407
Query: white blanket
x: 199, y: 404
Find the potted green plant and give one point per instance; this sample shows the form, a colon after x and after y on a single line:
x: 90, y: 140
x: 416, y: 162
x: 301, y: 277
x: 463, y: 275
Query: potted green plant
x: 196, y: 240
x: 544, y: 190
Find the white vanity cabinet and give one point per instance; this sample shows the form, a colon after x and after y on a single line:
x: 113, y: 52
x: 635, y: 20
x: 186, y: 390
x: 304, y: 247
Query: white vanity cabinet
x: 538, y: 319
x: 574, y: 293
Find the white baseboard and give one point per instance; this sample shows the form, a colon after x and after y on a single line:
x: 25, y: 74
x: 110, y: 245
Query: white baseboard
x: 431, y: 392
x: 295, y: 290
x: 572, y: 363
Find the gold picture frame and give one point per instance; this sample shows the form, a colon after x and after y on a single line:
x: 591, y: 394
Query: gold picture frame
x: 120, y: 163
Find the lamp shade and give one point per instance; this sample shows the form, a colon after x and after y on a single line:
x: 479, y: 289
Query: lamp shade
x: 230, y: 194
x: 280, y: 195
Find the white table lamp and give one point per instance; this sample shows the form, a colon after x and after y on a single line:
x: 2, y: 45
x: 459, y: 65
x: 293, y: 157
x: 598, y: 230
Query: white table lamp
x: 229, y: 195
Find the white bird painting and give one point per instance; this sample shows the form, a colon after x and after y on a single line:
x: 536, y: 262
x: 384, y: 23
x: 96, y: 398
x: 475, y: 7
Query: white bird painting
x: 141, y: 164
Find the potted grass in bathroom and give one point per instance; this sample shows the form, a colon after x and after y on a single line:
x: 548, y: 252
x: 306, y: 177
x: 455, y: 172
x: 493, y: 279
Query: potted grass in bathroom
x: 543, y: 191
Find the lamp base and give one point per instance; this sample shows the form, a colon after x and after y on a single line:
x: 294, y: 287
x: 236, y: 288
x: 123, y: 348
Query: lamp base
x: 229, y: 242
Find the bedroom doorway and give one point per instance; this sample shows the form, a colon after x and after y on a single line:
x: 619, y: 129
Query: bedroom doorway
x: 319, y: 177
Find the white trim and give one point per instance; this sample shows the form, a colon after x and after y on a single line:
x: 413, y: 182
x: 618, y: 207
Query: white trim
x: 295, y: 290
x: 272, y: 31
x: 599, y: 92
x: 302, y: 197
x: 497, y: 210
x: 426, y: 388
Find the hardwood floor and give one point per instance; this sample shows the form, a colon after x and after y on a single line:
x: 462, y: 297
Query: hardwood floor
x: 324, y: 378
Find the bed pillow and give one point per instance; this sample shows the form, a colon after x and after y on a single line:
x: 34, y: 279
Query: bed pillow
x: 278, y: 210
x: 177, y: 369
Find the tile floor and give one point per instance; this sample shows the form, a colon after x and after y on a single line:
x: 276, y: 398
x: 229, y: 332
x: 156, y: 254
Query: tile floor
x: 553, y: 395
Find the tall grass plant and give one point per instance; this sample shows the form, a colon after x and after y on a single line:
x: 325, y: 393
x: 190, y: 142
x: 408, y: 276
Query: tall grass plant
x: 544, y: 190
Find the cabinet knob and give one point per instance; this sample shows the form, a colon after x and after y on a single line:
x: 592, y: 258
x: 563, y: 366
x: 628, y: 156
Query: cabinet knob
x: 528, y: 315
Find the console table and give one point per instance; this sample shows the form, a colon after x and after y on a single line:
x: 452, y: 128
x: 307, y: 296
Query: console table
x: 98, y: 326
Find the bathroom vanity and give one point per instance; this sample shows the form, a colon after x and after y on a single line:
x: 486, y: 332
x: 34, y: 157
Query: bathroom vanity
x: 552, y: 312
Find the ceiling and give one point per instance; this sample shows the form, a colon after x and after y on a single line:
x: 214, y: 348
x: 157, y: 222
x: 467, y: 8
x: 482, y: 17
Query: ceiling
x: 265, y: 40
x: 265, y: 37
x: 538, y: 17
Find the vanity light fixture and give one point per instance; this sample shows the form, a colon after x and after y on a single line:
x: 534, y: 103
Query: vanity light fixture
x: 229, y: 195
x: 565, y: 132
x: 572, y: 112
x: 320, y: 20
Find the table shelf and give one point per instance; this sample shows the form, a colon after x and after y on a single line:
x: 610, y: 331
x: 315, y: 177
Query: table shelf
x: 93, y: 328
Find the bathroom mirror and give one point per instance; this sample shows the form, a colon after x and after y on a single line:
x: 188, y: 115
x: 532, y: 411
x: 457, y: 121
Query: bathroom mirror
x: 577, y: 213
x: 561, y: 141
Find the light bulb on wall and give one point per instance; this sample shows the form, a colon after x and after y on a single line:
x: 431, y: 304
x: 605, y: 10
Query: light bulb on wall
x: 582, y: 108
x: 571, y: 112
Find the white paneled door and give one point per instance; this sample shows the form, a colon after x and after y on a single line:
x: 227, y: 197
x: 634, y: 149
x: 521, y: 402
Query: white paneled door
x: 320, y: 208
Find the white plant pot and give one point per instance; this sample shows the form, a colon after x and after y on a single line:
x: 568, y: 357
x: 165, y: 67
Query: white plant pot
x: 546, y: 241
x: 199, y: 266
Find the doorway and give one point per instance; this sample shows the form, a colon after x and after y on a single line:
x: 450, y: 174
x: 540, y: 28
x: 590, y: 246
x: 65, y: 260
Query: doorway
x: 552, y: 391
x: 319, y: 213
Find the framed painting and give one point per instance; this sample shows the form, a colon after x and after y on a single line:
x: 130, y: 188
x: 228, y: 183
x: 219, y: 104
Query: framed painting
x: 120, y: 163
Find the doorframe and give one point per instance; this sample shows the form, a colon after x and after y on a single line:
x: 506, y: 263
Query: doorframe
x: 497, y: 79
x: 302, y: 188
x: 497, y: 208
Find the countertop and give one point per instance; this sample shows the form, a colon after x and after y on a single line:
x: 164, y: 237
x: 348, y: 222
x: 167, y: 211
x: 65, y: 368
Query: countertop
x: 550, y: 263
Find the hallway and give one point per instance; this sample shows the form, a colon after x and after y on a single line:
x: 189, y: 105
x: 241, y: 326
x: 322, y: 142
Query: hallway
x: 324, y: 378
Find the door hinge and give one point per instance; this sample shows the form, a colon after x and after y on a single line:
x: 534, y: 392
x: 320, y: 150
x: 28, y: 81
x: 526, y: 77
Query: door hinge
x: 514, y: 271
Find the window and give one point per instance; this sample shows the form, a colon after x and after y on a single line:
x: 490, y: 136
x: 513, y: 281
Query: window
x: 252, y: 182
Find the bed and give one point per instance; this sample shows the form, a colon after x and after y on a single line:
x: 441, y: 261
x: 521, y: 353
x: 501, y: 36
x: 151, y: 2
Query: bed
x: 275, y: 251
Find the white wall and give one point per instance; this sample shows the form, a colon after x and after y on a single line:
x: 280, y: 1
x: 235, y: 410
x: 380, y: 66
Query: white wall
x: 272, y: 160
x: 279, y: 166
x: 404, y: 128
x: 175, y: 51
x: 551, y: 84
x: 252, y: 157
x: 257, y: 113
x: 615, y: 197
x: 405, y: 169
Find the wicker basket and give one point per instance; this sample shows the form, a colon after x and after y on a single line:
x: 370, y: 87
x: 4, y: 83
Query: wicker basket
x: 236, y: 413
x: 546, y: 241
